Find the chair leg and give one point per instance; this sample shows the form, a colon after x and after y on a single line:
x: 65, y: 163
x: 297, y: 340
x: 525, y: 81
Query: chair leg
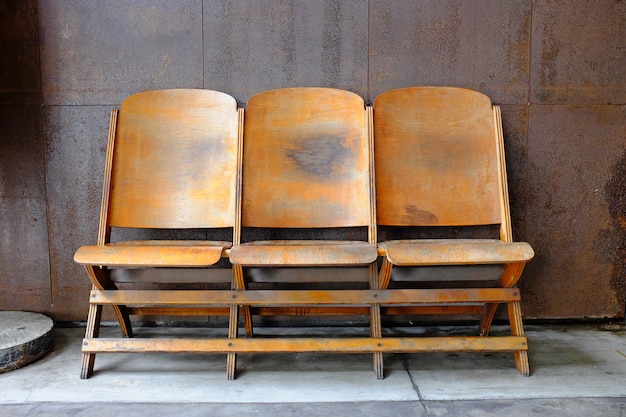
x: 376, y: 330
x: 101, y: 281
x: 489, y: 312
x: 384, y: 276
x: 247, y: 321
x: 231, y: 357
x: 511, y: 274
x: 123, y: 319
x: 240, y: 284
x: 517, y: 329
x: 92, y: 331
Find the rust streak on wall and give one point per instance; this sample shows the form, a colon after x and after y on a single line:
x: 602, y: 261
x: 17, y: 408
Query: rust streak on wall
x: 616, y: 195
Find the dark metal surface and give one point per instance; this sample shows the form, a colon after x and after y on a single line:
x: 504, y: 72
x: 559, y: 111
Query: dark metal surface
x: 75, y: 152
x: 24, y: 263
x: 251, y: 46
x: 19, y: 53
x: 95, y: 52
x: 555, y: 66
x: 578, y: 52
x: 479, y: 45
x: 574, y: 155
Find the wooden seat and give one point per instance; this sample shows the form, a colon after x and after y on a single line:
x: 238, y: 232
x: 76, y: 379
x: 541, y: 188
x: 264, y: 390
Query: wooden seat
x: 440, y: 170
x: 171, y: 170
x: 306, y: 169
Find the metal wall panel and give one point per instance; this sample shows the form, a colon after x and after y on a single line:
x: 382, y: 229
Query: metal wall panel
x: 24, y: 263
x: 252, y: 46
x: 578, y: 52
x: 75, y: 154
x: 574, y: 192
x: 98, y: 52
x: 555, y: 66
x: 483, y: 45
x: 19, y: 53
x: 574, y: 153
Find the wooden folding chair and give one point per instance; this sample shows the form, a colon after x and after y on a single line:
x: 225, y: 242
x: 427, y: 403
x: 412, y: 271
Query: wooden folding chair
x: 172, y: 168
x: 440, y: 169
x: 306, y: 170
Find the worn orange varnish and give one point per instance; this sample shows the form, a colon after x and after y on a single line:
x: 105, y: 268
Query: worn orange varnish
x: 440, y: 162
x: 436, y: 151
x: 172, y: 162
x: 305, y: 160
x: 175, y: 156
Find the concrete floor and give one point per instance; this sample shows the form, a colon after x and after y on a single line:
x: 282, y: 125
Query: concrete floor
x: 577, y: 370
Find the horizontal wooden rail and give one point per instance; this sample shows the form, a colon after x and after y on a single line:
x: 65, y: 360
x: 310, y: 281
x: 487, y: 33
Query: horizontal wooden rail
x: 365, y: 310
x: 182, y: 311
x: 196, y: 298
x: 306, y: 344
x: 310, y: 310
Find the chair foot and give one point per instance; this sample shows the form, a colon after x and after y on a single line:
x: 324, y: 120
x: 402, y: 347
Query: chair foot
x: 378, y: 365
x: 517, y: 329
x: 91, y: 331
x: 231, y: 366
x: 521, y: 363
x: 87, y: 365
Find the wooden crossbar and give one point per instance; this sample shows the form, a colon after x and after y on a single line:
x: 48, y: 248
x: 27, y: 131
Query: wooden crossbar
x: 307, y: 344
x: 304, y: 297
x: 468, y: 309
x: 335, y: 163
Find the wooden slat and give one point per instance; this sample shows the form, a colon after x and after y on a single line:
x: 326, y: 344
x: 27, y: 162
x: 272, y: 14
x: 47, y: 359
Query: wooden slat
x: 305, y: 344
x: 171, y: 311
x: 506, y: 232
x: 285, y: 254
x: 163, y: 255
x: 457, y: 252
x: 310, y: 311
x: 304, y: 297
x: 104, y: 229
x: 391, y: 310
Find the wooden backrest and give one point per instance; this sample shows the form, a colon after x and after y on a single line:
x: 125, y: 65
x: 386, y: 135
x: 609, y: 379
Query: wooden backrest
x: 306, y: 160
x: 172, y: 161
x: 438, y: 158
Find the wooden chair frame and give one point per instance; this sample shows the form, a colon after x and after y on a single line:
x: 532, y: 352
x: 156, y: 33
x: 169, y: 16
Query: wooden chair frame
x: 441, y: 252
x: 174, y: 203
x: 311, y: 108
x: 378, y: 259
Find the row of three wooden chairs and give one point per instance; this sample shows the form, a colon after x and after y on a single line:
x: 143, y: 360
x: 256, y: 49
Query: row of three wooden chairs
x: 321, y: 206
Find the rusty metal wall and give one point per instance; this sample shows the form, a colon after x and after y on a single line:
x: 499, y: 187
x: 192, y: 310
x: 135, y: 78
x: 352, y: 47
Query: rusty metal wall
x: 555, y: 66
x: 24, y: 259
